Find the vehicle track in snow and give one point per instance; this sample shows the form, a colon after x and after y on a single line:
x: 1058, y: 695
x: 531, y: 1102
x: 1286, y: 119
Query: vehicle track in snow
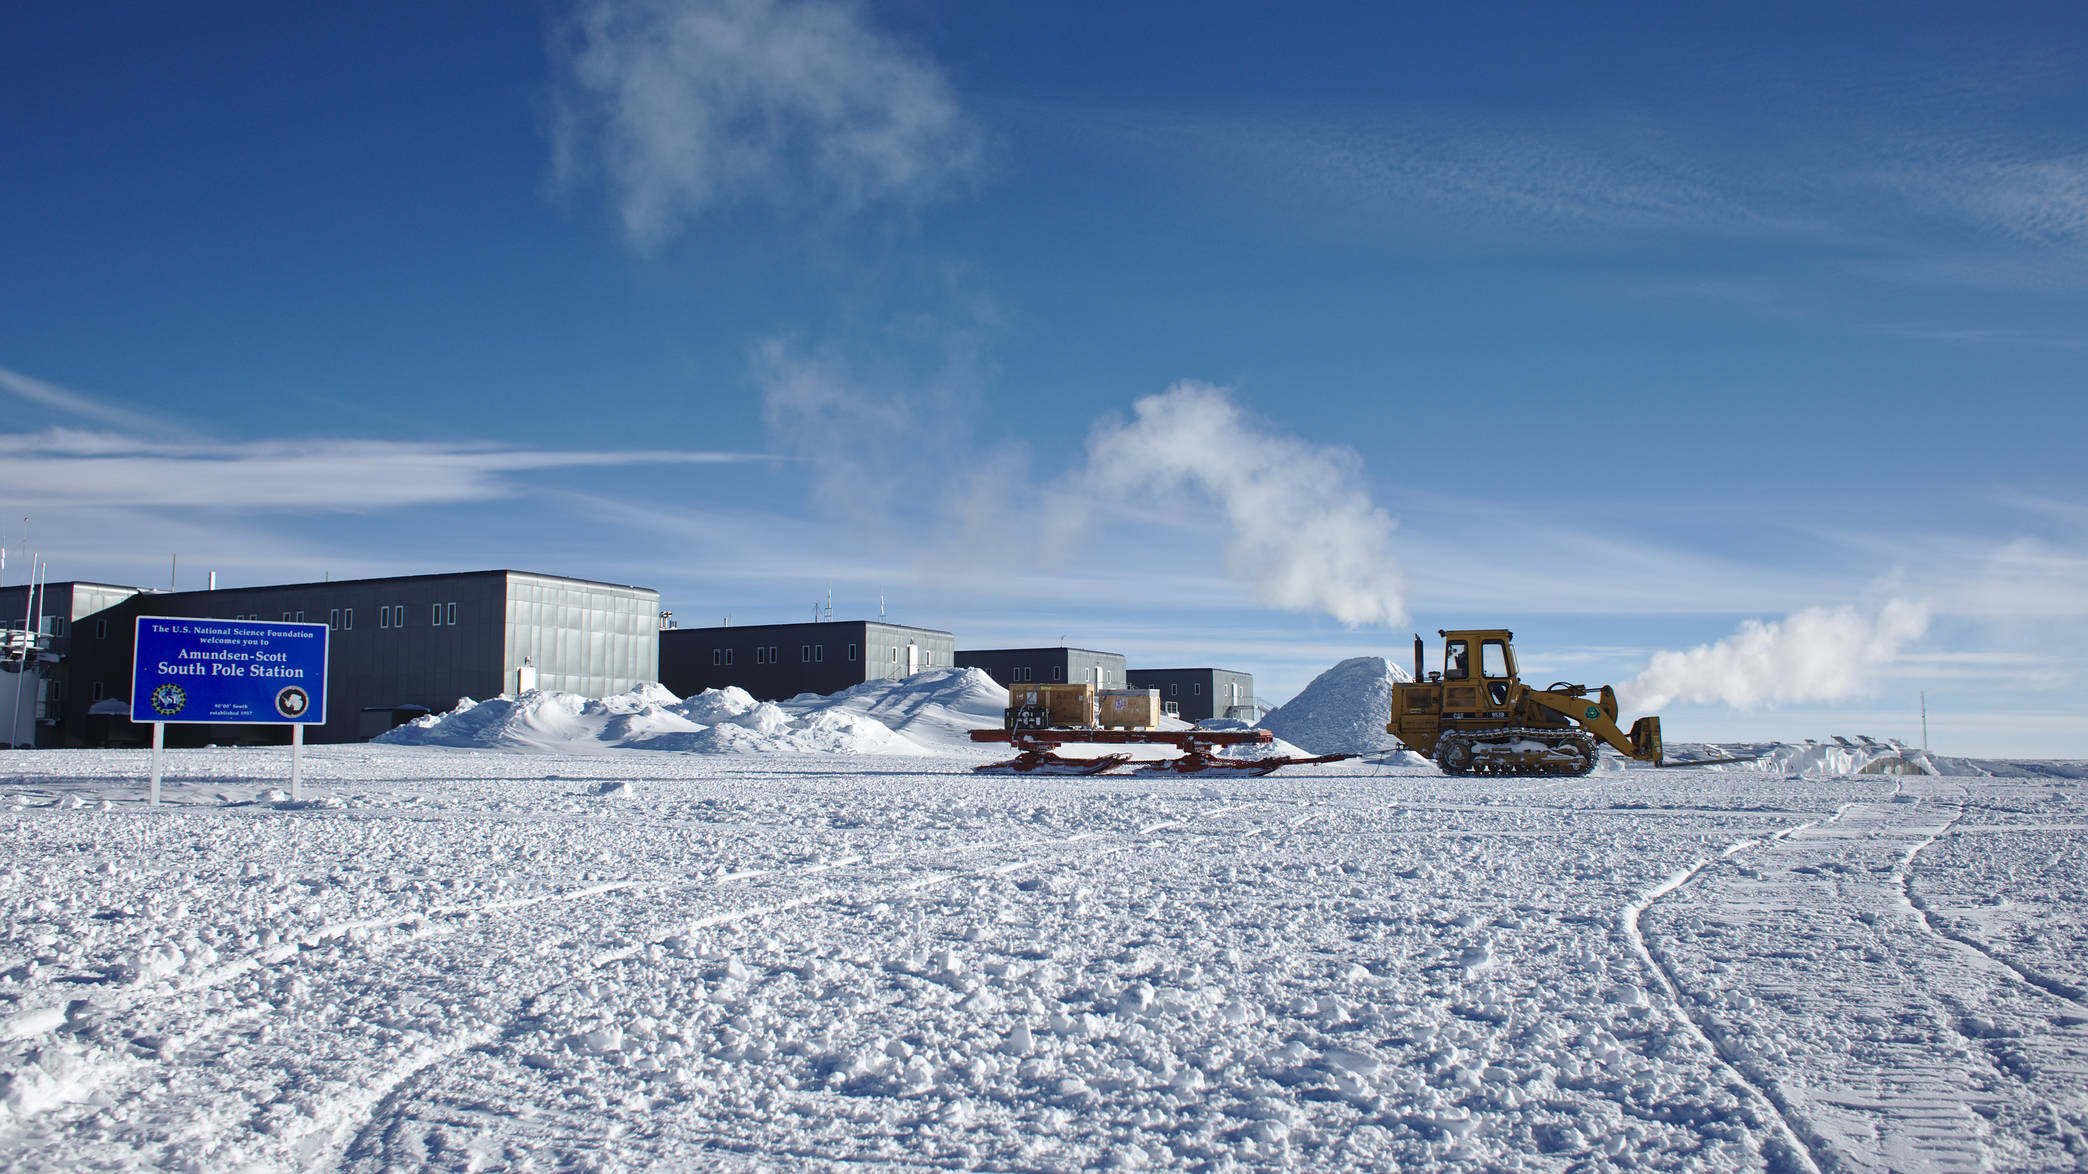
x: 1890, y: 1046
x: 2029, y: 976
x: 1802, y: 1145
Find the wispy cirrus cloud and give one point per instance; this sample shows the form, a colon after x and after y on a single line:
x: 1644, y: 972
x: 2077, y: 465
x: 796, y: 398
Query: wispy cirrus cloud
x: 73, y: 468
x: 685, y: 106
x: 77, y: 404
x: 1542, y: 170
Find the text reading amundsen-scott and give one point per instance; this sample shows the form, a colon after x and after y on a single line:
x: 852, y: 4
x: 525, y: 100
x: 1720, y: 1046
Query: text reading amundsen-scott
x: 229, y: 664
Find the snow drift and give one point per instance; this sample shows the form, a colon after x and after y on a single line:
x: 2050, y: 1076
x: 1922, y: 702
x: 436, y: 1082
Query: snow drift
x: 1343, y: 710
x: 928, y: 713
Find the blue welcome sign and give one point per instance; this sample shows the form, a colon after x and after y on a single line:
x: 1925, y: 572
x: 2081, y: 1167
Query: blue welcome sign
x: 191, y: 670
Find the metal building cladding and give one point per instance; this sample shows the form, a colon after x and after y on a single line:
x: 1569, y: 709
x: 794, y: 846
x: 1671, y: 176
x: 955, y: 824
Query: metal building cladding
x: 778, y: 661
x: 38, y: 664
x: 781, y: 661
x: 1196, y: 694
x: 1011, y: 666
x: 398, y: 647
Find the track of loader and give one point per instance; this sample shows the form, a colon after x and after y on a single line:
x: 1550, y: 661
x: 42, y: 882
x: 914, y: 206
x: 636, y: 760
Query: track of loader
x: 1517, y: 751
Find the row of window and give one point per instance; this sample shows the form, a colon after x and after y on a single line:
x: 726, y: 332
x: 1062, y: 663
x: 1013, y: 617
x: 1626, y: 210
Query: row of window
x: 1058, y: 673
x: 767, y: 654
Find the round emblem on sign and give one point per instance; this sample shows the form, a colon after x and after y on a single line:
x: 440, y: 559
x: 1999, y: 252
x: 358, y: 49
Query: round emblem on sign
x: 292, y: 702
x: 1593, y: 713
x: 167, y: 700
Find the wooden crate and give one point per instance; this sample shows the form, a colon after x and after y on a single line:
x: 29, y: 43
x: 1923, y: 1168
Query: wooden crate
x: 1069, y: 705
x: 1131, y: 709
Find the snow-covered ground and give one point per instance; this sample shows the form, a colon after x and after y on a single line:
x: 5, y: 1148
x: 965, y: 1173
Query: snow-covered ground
x: 455, y: 958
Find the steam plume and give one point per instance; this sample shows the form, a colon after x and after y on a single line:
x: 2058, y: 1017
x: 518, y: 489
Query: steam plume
x: 1819, y: 654
x: 1304, y: 530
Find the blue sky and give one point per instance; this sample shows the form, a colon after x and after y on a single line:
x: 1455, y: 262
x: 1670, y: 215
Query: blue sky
x: 1638, y: 327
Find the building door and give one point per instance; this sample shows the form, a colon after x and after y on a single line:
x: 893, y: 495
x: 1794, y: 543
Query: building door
x: 913, y: 659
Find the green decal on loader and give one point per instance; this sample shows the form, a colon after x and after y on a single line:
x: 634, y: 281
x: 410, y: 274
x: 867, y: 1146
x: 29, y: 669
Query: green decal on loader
x: 1592, y: 712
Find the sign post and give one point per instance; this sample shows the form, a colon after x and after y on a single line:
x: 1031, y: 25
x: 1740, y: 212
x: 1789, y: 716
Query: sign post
x: 228, y: 672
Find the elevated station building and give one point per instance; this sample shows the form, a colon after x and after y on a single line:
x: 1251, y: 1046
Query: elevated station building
x: 1197, y: 694
x: 775, y: 662
x: 1010, y: 666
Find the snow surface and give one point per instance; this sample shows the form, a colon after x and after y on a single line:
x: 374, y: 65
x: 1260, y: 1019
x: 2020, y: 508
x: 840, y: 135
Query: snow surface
x: 1343, y: 710
x: 456, y: 958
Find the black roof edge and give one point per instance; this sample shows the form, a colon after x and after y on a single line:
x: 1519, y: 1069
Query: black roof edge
x: 396, y: 579
x: 1039, y: 648
x: 806, y: 624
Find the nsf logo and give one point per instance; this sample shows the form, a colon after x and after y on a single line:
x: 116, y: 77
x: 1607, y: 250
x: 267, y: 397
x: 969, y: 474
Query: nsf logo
x: 168, y: 700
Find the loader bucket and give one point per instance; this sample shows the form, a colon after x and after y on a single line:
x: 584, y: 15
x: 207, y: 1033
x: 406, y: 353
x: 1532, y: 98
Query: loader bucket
x: 1645, y: 740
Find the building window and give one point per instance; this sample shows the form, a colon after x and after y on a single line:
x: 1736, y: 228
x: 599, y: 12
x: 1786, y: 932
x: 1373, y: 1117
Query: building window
x: 333, y: 620
x: 286, y: 617
x: 851, y: 652
x: 1173, y: 690
x: 717, y: 658
x: 805, y: 654
x: 819, y: 652
x: 101, y: 629
x: 300, y: 617
x: 760, y: 654
x: 1058, y: 673
x: 728, y: 656
x: 399, y: 616
x: 451, y: 617
x: 1196, y: 690
x: 384, y: 616
x: 347, y: 619
x: 100, y: 690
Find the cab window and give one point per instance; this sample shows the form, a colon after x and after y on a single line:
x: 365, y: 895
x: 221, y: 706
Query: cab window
x: 1456, y: 657
x: 1493, y: 659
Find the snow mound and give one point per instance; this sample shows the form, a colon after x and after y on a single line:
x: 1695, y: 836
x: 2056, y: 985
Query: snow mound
x: 928, y: 713
x: 1343, y: 710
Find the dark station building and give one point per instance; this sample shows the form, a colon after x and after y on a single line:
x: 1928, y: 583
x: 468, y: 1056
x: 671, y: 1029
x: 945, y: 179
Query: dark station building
x: 1010, y: 666
x: 1196, y: 694
x: 775, y: 662
x: 398, y: 647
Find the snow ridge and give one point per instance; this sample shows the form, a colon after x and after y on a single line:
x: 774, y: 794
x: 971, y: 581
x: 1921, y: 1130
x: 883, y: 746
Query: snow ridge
x: 928, y: 713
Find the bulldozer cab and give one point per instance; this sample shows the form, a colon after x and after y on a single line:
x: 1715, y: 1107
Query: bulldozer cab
x: 1490, y: 650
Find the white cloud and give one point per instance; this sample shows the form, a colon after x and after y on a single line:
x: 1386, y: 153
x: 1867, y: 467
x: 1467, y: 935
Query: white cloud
x: 1816, y: 655
x: 90, y: 469
x: 75, y: 403
x: 1304, y: 531
x: 689, y: 105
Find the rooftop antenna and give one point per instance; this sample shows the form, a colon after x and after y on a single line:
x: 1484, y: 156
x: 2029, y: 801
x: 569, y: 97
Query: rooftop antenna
x: 173, y: 566
x: 830, y: 602
x: 1924, y: 721
x: 880, y: 605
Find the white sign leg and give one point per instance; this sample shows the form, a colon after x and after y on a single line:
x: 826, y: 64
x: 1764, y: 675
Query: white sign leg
x: 159, y: 731
x: 296, y: 766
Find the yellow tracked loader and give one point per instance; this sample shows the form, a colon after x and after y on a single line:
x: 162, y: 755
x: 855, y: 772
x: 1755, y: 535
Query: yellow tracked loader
x: 1477, y: 717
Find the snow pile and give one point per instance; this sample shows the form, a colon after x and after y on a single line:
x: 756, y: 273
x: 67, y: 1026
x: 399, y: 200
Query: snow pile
x: 1343, y: 710
x: 928, y: 713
